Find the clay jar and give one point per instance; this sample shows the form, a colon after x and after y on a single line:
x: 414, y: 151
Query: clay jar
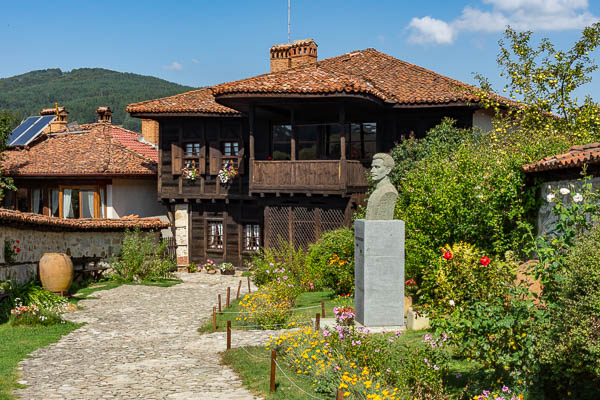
x: 56, y: 272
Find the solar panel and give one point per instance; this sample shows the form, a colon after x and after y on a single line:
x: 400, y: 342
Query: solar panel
x: 18, y: 131
x: 33, y: 131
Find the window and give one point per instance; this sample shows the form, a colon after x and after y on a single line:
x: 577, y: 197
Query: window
x: 192, y: 150
x: 78, y: 202
x: 230, y: 151
x: 23, y: 200
x: 252, y: 237
x: 37, y: 201
x: 282, y: 142
x: 215, y: 235
x: 363, y: 140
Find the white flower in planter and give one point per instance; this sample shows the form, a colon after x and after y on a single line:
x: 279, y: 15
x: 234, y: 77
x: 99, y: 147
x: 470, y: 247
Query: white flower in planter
x: 451, y: 302
x: 564, y: 191
x: 550, y: 197
x: 578, y: 198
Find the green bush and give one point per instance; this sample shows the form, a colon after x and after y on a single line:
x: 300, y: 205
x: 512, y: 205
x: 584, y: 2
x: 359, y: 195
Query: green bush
x: 268, y: 265
x: 141, y: 259
x: 570, y: 354
x: 29, y: 294
x: 330, y: 261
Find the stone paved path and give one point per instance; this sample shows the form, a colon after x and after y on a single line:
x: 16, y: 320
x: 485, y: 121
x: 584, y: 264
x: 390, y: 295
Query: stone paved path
x: 141, y: 342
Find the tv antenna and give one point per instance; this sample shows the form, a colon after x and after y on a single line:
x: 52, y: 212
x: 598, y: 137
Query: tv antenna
x: 289, y: 23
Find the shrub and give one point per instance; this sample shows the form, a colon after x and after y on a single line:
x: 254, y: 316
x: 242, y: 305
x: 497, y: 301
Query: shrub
x: 141, y: 259
x: 330, y: 261
x: 23, y: 315
x: 284, y: 259
x: 570, y: 354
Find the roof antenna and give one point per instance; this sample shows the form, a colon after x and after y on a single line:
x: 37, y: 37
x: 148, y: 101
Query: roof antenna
x: 289, y: 23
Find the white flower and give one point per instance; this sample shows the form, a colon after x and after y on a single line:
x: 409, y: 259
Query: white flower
x: 550, y: 197
x: 564, y: 191
x: 578, y: 198
x: 451, y: 303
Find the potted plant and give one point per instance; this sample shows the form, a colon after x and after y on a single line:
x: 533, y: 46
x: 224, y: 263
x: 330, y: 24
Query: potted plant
x: 191, y: 268
x: 227, y: 173
x: 410, y: 289
x: 227, y: 268
x: 210, y: 267
x: 190, y: 172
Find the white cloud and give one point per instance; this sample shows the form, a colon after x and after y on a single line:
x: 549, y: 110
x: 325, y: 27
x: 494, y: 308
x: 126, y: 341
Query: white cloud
x: 175, y: 66
x: 430, y: 30
x: 195, y: 61
x: 536, y: 15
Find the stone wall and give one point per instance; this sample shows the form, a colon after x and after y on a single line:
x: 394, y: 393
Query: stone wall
x: 181, y: 233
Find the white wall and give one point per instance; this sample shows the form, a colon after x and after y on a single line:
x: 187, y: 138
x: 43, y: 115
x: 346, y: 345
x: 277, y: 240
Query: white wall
x: 483, y: 120
x: 134, y: 196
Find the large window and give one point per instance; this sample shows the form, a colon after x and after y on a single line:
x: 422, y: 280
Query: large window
x: 231, y: 153
x: 78, y: 202
x: 252, y: 237
x: 215, y: 235
x: 322, y: 141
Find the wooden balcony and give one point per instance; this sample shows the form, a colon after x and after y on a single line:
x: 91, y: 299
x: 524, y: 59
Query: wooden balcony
x: 314, y: 176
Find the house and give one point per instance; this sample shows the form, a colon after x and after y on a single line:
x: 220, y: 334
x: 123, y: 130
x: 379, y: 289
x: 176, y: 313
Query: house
x: 301, y: 138
x: 96, y: 170
x: 562, y: 171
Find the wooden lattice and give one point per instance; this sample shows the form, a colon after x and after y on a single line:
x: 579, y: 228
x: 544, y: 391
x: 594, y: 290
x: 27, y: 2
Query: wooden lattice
x: 300, y: 226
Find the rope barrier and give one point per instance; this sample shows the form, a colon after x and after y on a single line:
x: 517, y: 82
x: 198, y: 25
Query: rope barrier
x: 294, y: 383
x: 252, y: 355
x: 298, y: 325
x: 254, y: 312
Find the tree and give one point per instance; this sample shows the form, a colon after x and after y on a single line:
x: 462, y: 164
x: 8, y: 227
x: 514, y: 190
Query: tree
x: 6, y: 125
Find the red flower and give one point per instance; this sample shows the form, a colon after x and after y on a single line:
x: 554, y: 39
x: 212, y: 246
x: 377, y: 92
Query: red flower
x: 448, y: 255
x: 484, y: 261
x: 410, y: 282
x: 18, y: 250
x: 14, y: 247
x: 18, y: 242
x: 269, y: 158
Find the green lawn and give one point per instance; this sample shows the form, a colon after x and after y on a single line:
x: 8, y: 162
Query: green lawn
x: 17, y: 342
x: 255, y: 369
x: 83, y: 290
x: 306, y: 299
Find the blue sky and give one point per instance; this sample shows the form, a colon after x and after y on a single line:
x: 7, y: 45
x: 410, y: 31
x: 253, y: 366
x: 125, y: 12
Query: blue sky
x: 200, y: 43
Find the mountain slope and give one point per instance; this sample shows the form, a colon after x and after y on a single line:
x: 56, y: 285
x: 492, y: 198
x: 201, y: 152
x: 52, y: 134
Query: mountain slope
x: 81, y: 91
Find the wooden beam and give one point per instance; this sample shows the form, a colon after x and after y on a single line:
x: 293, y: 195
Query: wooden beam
x: 293, y: 145
x: 342, y: 119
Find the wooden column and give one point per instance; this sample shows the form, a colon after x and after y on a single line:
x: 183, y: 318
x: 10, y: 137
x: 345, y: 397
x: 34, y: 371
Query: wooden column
x: 292, y: 122
x: 251, y: 117
x: 342, y: 118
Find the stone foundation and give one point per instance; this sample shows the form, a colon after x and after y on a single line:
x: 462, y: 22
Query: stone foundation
x: 181, y: 233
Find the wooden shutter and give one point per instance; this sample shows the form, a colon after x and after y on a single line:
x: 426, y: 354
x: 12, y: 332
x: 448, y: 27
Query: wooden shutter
x: 215, y: 158
x: 176, y: 158
x: 202, y: 158
x: 241, y: 158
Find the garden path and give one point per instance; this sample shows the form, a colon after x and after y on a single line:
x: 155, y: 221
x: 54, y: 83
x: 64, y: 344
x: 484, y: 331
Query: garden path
x: 141, y: 342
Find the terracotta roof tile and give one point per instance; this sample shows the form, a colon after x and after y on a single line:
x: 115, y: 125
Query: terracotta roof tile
x: 575, y: 157
x: 103, y: 150
x: 367, y: 72
x: 132, y: 140
x: 195, y: 101
x: 19, y: 218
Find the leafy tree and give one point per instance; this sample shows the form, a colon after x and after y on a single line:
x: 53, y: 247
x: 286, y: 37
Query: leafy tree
x: 6, y: 126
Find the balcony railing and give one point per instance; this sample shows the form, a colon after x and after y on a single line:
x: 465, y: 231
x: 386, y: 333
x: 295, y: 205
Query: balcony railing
x: 314, y: 176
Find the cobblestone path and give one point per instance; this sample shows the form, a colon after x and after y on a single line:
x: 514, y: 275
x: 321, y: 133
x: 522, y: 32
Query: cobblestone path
x: 140, y: 342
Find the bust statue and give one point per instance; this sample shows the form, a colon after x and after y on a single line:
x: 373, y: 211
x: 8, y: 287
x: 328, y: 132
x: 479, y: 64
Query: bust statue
x: 382, y: 201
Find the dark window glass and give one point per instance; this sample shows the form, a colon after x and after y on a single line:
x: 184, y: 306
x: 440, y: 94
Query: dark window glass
x: 333, y: 132
x: 9, y: 199
x: 370, y: 139
x: 231, y: 148
x: 215, y: 235
x: 363, y: 141
x: 282, y: 143
x: 37, y: 201
x: 252, y: 237
x: 22, y: 200
x: 192, y: 149
x: 307, y: 141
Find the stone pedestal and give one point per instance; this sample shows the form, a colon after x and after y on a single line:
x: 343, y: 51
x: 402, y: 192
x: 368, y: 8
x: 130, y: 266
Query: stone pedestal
x: 379, y: 272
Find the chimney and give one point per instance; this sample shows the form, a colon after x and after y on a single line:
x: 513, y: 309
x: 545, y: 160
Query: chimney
x: 150, y: 130
x: 104, y: 114
x: 60, y: 122
x: 290, y: 55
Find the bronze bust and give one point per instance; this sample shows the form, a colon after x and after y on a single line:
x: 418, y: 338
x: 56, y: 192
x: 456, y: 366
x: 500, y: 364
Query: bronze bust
x: 382, y: 201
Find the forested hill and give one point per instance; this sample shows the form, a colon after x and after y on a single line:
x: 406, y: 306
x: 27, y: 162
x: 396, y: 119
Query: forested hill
x: 81, y: 91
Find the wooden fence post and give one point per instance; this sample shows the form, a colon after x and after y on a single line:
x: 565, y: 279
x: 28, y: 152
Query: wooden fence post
x: 249, y: 290
x: 228, y: 296
x: 273, y: 358
x: 339, y: 394
x: 220, y: 304
x: 238, y: 292
x: 323, y: 308
x: 228, y: 335
x: 214, y: 319
x: 318, y: 322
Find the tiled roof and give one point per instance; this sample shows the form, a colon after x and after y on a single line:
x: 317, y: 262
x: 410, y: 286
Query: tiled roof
x: 367, y: 71
x: 88, y: 224
x: 195, y: 101
x: 103, y: 150
x: 132, y: 140
x: 575, y: 157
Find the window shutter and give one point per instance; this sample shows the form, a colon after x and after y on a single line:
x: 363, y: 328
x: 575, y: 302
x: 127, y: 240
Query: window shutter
x: 215, y: 158
x: 176, y: 158
x: 241, y: 159
x: 202, y: 159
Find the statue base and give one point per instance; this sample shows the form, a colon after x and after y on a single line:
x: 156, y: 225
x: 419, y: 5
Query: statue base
x: 379, y: 272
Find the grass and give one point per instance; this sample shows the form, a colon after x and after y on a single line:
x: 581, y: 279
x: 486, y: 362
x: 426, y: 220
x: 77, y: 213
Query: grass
x: 255, y: 370
x: 83, y: 290
x: 306, y: 299
x: 17, y: 342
